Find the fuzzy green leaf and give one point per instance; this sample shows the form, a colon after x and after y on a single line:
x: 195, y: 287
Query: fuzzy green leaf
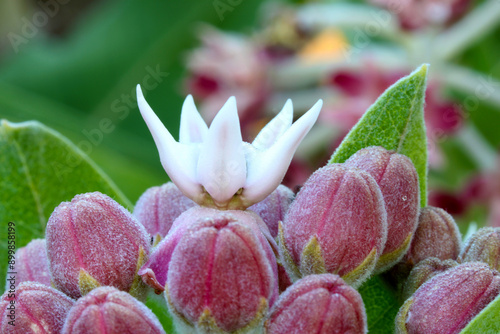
x: 39, y: 169
x: 486, y: 322
x: 381, y: 305
x: 396, y: 122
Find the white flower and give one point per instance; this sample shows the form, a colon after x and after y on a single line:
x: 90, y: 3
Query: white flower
x: 213, y: 166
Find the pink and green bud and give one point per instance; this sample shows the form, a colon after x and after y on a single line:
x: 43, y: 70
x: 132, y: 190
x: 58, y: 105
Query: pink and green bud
x: 447, y: 302
x: 274, y: 207
x: 31, y: 264
x: 33, y: 308
x: 483, y: 246
x: 158, y: 207
x: 437, y: 236
x: 337, y: 224
x: 108, y: 310
x: 423, y: 272
x: 318, y: 304
x: 218, y: 269
x: 398, y: 181
x: 94, y: 241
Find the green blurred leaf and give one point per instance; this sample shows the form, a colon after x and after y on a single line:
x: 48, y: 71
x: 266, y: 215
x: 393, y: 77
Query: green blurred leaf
x: 159, y: 307
x: 486, y: 322
x: 396, y: 122
x: 39, y: 169
x: 381, y: 305
x: 89, y: 73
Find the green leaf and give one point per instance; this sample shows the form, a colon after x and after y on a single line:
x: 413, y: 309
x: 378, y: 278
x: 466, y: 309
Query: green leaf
x: 381, y: 305
x: 159, y: 307
x: 396, y: 122
x: 486, y: 322
x: 39, y: 169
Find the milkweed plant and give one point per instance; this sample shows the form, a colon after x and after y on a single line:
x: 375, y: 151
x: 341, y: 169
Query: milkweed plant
x: 226, y: 248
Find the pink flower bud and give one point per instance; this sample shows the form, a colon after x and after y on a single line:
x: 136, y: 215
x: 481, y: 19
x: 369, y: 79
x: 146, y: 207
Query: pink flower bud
x: 32, y: 264
x: 274, y: 207
x: 318, y: 304
x: 337, y: 224
x: 423, y: 272
x: 158, y: 207
x: 33, y: 308
x: 437, y: 236
x: 108, y: 310
x: 219, y: 269
x: 448, y: 301
x: 398, y: 181
x: 93, y: 241
x: 483, y: 246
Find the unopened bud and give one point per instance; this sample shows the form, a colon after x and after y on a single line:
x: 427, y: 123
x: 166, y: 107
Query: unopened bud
x: 484, y: 246
x: 448, y: 301
x: 33, y: 308
x: 437, y: 235
x: 274, y: 207
x: 32, y: 264
x: 336, y: 224
x: 108, y: 310
x: 158, y: 207
x: 94, y: 241
x: 318, y: 304
x: 398, y: 182
x: 423, y: 272
x: 218, y: 270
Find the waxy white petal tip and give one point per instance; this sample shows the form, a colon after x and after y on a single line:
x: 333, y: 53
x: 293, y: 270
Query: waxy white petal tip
x: 222, y: 165
x: 267, y: 168
x: 178, y: 160
x: 193, y: 128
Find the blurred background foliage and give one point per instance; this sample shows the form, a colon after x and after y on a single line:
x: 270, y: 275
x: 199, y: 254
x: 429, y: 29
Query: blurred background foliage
x: 82, y: 64
x: 93, y: 54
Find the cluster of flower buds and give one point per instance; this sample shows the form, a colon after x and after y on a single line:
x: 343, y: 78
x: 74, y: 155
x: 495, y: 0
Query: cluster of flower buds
x: 215, y: 256
x: 342, y: 217
x: 37, y: 308
x: 91, y: 242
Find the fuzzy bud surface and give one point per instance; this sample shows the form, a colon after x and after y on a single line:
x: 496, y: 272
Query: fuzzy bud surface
x: 318, y: 304
x: 94, y: 241
x: 158, y: 207
x: 398, y: 181
x: 447, y: 302
x: 35, y: 308
x: 32, y: 264
x: 483, y: 246
x: 218, y: 269
x: 274, y: 208
x: 437, y: 236
x: 423, y: 272
x: 107, y: 310
x: 336, y: 224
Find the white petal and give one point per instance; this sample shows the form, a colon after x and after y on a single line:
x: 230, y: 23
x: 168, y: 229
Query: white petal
x: 275, y: 128
x: 267, y: 168
x: 178, y: 160
x: 193, y: 128
x: 222, y: 164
